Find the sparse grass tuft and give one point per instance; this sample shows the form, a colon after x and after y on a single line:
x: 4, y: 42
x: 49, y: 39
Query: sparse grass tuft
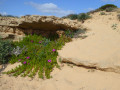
x: 114, y: 26
x: 80, y: 17
x: 109, y: 9
x: 102, y: 13
x: 83, y: 16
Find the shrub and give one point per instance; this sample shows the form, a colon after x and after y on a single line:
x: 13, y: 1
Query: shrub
x: 104, y: 7
x: 5, y: 50
x: 64, y: 17
x: 107, y: 7
x: 69, y: 33
x: 110, y: 9
x: 17, y: 51
x: 83, y: 16
x: 72, y: 16
x: 102, y: 13
x: 53, y: 37
x: 118, y: 16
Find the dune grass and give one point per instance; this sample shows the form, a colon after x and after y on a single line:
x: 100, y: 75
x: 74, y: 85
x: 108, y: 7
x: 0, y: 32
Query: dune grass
x: 39, y: 56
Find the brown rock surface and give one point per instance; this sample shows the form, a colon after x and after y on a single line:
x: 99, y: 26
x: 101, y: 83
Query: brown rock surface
x: 36, y: 24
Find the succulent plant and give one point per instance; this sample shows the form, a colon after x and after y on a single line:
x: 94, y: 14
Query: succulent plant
x: 16, y: 51
x: 46, y: 41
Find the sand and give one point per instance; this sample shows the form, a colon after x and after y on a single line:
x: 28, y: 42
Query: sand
x: 100, y: 49
x: 68, y: 78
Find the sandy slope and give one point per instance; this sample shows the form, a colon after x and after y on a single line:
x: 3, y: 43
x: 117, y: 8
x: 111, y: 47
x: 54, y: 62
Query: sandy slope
x: 100, y: 48
x: 73, y: 78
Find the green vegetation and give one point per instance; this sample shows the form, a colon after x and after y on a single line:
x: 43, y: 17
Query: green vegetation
x: 38, y: 56
x: 72, y: 16
x: 69, y: 33
x: 107, y: 8
x: 104, y: 7
x: 102, y: 13
x: 114, y: 26
x: 80, y: 17
x: 83, y: 16
x: 5, y: 50
x: 110, y: 9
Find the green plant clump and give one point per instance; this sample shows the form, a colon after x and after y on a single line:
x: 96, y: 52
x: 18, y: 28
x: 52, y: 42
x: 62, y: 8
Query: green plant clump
x: 114, y: 26
x: 72, y: 16
x: 39, y: 57
x: 5, y: 50
x: 110, y: 9
x: 104, y: 7
x: 102, y: 13
x: 80, y: 17
x: 83, y: 16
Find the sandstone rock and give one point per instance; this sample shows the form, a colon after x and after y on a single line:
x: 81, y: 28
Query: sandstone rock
x: 102, y: 55
x: 60, y: 32
x: 43, y: 25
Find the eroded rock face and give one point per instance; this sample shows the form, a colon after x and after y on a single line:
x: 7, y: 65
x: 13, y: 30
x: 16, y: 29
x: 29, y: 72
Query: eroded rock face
x: 43, y: 25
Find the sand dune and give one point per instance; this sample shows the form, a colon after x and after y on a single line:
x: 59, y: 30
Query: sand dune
x: 100, y: 49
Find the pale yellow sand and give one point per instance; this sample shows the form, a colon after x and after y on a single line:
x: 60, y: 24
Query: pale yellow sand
x: 68, y: 78
x: 100, y: 48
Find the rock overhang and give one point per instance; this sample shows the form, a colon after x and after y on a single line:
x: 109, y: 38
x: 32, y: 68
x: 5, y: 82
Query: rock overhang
x: 36, y: 24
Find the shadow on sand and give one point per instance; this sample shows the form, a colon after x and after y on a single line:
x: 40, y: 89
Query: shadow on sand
x: 2, y: 68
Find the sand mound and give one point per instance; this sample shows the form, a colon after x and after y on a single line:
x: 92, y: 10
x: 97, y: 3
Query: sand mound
x: 100, y: 49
